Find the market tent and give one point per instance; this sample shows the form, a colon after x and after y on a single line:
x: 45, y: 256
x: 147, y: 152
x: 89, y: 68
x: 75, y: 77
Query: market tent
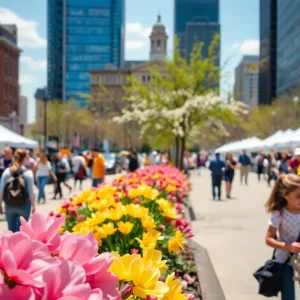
x: 238, y: 146
x: 289, y: 139
x: 12, y: 139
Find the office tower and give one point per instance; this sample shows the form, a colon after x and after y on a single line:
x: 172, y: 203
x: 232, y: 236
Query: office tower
x: 246, y: 81
x: 288, y: 45
x: 268, y: 50
x: 9, y: 75
x: 196, y: 20
x: 82, y: 35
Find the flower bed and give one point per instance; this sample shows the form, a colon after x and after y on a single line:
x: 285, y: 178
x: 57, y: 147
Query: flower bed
x: 136, y: 225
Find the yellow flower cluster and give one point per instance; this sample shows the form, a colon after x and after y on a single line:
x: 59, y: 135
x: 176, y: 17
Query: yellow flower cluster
x: 144, y: 274
x: 176, y: 243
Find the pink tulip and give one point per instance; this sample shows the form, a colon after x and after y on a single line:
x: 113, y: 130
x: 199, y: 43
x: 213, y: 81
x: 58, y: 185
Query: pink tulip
x: 66, y: 281
x: 45, y: 230
x: 126, y: 291
x: 188, y: 278
x: 17, y: 293
x: 23, y: 260
x: 83, y: 249
x: 134, y: 251
x: 150, y: 298
x: 80, y: 218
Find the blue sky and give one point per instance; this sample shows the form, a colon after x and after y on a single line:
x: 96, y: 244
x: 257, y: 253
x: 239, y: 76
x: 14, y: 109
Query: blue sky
x: 239, y: 35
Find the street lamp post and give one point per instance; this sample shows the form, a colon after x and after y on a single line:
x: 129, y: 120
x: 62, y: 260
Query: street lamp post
x: 45, y: 123
x: 96, y: 133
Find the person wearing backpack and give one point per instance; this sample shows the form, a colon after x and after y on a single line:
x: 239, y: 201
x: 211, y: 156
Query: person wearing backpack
x: 16, y: 191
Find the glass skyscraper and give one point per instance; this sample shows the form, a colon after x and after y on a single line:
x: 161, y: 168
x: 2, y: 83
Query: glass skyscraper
x: 196, y: 20
x: 288, y: 45
x: 82, y: 35
x: 268, y: 50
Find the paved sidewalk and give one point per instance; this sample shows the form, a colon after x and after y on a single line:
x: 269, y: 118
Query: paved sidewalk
x: 233, y: 232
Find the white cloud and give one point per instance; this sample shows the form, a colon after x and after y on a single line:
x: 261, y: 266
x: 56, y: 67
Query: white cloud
x: 34, y: 65
x: 27, y: 29
x: 27, y: 79
x: 247, y: 47
x: 137, y: 36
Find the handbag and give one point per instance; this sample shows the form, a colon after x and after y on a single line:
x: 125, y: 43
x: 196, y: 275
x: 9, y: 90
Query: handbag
x: 295, y: 260
x: 269, y: 276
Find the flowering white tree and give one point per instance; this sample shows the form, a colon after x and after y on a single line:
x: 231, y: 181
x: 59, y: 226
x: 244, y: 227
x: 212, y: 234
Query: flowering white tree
x: 176, y: 100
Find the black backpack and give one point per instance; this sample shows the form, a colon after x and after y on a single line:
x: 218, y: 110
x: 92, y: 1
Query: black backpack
x: 15, y: 189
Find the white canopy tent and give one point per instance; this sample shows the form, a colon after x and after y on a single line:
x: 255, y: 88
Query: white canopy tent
x: 289, y: 140
x: 239, y: 146
x: 12, y: 139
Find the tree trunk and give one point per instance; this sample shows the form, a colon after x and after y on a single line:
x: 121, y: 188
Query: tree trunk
x: 180, y: 149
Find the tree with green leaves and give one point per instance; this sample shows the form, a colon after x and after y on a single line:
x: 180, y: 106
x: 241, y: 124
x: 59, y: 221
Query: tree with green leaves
x: 183, y: 96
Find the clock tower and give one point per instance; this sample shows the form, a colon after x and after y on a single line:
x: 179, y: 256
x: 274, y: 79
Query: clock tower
x: 158, y: 40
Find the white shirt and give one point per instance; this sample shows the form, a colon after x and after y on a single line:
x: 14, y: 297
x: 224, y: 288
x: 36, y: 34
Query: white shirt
x: 78, y: 161
x: 288, y: 226
x: 43, y: 169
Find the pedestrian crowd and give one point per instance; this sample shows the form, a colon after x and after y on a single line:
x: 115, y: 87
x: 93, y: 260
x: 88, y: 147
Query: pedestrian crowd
x: 267, y: 166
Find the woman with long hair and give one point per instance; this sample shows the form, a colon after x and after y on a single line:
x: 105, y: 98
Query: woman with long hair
x: 231, y: 165
x: 16, y: 190
x: 42, y: 172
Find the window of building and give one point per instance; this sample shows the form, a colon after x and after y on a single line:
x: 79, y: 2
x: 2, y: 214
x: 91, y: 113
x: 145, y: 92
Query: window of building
x: 149, y: 78
x: 144, y: 78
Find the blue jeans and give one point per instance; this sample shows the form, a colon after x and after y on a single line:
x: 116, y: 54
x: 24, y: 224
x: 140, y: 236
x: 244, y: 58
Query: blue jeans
x: 96, y: 181
x: 288, y: 284
x: 216, y: 183
x: 41, y: 182
x: 13, y: 214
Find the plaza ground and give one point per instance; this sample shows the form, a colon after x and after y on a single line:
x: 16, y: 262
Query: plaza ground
x: 233, y: 232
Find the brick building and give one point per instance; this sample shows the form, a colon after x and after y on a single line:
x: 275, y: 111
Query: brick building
x: 9, y: 76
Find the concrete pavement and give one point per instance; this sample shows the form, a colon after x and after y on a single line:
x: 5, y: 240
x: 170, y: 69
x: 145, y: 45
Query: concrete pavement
x: 233, y: 232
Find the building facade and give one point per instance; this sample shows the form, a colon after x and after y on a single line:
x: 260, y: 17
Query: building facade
x: 288, y: 45
x: 246, y: 81
x: 9, y: 76
x: 196, y: 20
x: 268, y: 51
x: 82, y: 35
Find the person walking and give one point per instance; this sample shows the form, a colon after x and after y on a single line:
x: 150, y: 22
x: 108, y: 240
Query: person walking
x: 6, y: 161
x: 133, y: 163
x: 16, y: 191
x: 245, y: 163
x: 284, y: 207
x: 198, y: 163
x: 270, y: 167
x: 79, y: 170
x: 43, y: 171
x: 62, y: 168
x: 231, y: 165
x: 294, y: 164
x: 284, y: 164
x: 98, y: 173
x: 217, y: 168
x: 260, y: 165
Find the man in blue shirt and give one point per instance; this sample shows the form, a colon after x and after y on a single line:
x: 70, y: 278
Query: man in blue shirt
x: 217, y: 167
x: 245, y: 162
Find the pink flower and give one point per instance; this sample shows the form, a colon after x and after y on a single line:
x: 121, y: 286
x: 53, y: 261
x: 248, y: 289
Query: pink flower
x: 150, y: 298
x: 80, y: 218
x: 136, y: 201
x: 162, y: 227
x: 83, y: 249
x: 23, y: 260
x: 134, y: 251
x: 66, y: 281
x: 126, y: 291
x: 17, y: 293
x: 45, y: 230
x: 188, y: 278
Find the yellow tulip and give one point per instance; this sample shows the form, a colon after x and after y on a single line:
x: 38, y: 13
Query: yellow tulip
x: 146, y: 280
x: 148, y: 223
x: 176, y: 243
x: 153, y: 258
x: 95, y: 219
x: 149, y: 240
x: 170, y: 213
x: 109, y: 228
x: 125, y: 228
x: 170, y: 188
x: 115, y: 214
x: 175, y: 289
x: 122, y: 266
